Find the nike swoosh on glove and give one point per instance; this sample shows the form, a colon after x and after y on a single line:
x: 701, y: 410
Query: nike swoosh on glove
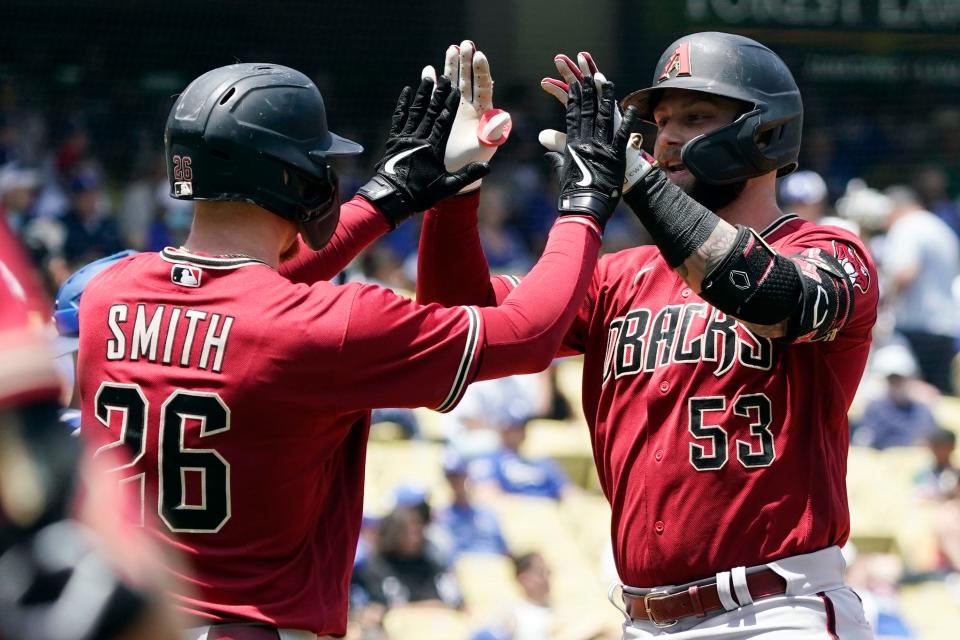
x: 639, y: 162
x: 592, y: 167
x: 411, y: 176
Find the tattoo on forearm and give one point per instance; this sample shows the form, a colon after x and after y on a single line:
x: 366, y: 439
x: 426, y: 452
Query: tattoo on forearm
x: 717, y: 246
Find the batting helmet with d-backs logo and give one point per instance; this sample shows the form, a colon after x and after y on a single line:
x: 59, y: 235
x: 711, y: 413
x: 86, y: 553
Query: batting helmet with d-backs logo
x: 257, y: 133
x: 766, y: 137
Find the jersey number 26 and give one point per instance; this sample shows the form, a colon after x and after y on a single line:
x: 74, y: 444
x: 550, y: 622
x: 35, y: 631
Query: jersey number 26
x: 174, y: 461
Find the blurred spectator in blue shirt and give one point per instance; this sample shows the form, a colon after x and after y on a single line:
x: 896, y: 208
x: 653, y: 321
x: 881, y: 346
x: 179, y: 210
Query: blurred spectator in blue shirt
x: 507, y: 471
x: 91, y: 230
x: 467, y: 527
x: 896, y: 418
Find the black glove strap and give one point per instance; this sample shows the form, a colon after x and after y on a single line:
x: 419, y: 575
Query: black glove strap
x: 589, y: 203
x: 387, y: 199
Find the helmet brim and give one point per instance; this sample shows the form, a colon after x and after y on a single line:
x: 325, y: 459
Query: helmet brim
x: 645, y: 100
x: 336, y: 146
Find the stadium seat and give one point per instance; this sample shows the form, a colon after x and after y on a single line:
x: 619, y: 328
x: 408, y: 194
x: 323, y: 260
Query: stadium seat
x: 569, y: 382
x: 565, y: 442
x: 391, y: 464
x: 947, y: 412
x: 932, y: 609
x: 426, y: 623
x: 487, y: 582
x: 431, y: 425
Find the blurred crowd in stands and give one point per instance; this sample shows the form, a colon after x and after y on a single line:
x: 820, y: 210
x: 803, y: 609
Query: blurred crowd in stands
x: 903, y: 197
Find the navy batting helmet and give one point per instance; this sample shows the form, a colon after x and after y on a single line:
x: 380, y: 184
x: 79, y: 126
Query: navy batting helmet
x: 765, y: 138
x: 66, y: 308
x: 257, y: 133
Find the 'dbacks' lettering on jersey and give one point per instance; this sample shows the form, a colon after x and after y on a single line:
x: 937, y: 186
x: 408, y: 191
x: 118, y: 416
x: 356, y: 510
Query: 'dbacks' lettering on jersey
x: 717, y: 447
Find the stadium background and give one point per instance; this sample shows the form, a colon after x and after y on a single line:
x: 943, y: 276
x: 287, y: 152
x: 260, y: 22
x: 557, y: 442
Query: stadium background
x: 85, y: 87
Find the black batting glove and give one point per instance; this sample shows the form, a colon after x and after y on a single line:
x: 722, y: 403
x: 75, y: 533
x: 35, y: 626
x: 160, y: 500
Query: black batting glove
x: 592, y: 167
x: 411, y: 176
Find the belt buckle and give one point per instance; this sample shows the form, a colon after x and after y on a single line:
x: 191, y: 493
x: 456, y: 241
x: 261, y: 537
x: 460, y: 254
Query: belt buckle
x: 657, y: 595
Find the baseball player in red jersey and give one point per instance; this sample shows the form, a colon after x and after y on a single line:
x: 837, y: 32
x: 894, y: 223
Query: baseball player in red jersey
x: 243, y: 393
x: 719, y: 364
x: 47, y: 501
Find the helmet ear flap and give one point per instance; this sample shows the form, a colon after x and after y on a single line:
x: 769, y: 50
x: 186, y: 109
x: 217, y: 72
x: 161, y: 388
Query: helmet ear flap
x: 740, y: 150
x: 318, y: 230
x: 724, y: 156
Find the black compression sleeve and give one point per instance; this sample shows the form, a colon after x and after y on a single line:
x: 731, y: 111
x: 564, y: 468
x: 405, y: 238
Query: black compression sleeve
x: 678, y: 223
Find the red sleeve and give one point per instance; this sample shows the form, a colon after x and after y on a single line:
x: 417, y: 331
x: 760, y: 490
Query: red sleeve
x: 548, y: 298
x: 403, y: 354
x: 451, y: 266
x: 360, y: 224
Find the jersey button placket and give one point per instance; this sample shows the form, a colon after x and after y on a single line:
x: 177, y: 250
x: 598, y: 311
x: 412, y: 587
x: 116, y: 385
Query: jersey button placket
x: 658, y: 455
x: 658, y: 527
x: 664, y: 386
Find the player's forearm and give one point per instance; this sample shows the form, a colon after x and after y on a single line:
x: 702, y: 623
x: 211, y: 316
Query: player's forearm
x: 700, y: 247
x: 708, y: 255
x: 360, y: 224
x: 451, y: 266
x: 523, y: 334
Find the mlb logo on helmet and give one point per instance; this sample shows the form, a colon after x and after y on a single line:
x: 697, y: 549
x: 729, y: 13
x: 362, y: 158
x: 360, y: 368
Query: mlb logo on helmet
x: 182, y: 189
x: 185, y: 276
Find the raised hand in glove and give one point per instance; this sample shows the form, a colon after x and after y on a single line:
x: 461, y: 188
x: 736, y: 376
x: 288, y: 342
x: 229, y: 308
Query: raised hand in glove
x: 479, y: 128
x: 411, y: 176
x: 592, y: 166
x: 639, y: 162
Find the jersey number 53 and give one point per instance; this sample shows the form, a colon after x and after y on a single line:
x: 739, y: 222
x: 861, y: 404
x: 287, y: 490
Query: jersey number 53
x: 759, y: 452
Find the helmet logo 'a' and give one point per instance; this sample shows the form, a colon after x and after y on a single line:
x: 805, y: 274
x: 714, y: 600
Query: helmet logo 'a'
x: 679, y: 62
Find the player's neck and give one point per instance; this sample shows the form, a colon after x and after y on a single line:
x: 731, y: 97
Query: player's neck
x: 756, y: 206
x: 232, y: 228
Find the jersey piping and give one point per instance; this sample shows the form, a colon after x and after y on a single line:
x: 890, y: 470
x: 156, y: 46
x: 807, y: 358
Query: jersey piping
x: 180, y: 256
x: 779, y: 222
x: 460, y: 380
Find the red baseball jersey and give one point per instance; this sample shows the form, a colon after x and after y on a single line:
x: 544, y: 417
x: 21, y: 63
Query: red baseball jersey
x: 716, y: 447
x: 244, y: 400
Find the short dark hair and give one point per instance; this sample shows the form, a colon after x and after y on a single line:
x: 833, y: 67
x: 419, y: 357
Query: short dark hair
x: 524, y: 561
x: 942, y: 436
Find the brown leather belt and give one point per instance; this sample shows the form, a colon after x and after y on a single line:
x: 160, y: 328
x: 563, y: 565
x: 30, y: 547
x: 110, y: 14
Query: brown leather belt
x: 666, y: 607
x: 242, y: 632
